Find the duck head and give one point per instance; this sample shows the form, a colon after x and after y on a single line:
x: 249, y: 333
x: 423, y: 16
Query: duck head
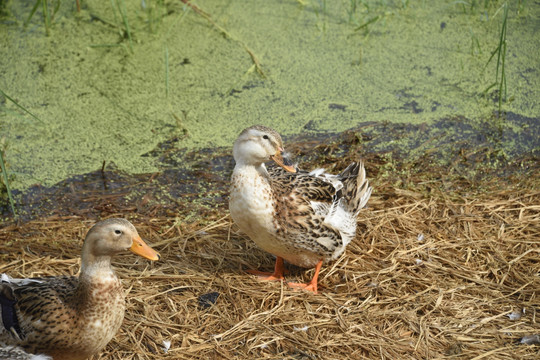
x: 110, y: 237
x: 258, y: 144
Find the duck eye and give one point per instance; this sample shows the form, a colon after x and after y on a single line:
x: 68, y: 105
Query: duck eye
x: 117, y: 232
x: 265, y: 137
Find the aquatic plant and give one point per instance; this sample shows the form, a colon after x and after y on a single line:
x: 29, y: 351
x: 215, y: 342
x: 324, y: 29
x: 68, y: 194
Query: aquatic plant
x: 5, y: 177
x: 48, y: 16
x: 500, y: 51
x: 5, y: 180
x: 155, y: 10
x: 166, y: 60
x: 3, y: 11
x: 256, y: 63
x: 374, y: 13
x: 321, y: 12
x: 475, y: 44
x: 352, y: 9
x: 120, y: 5
x: 369, y: 22
x: 19, y: 106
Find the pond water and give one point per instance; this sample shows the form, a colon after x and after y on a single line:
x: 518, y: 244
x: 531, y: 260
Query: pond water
x: 120, y: 79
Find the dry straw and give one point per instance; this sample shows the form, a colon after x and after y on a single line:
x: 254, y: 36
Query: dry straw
x: 427, y: 278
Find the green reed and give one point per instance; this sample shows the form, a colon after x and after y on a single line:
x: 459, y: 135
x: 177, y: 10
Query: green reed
x: 5, y: 179
x: 48, y: 15
x: 500, y: 51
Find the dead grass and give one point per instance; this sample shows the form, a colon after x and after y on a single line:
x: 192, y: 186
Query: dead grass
x: 427, y: 277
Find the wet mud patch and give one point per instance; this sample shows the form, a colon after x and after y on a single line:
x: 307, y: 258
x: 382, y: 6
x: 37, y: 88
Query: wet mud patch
x: 452, y: 154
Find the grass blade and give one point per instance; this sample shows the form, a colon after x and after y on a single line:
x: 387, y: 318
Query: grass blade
x: 123, y: 12
x: 6, y: 183
x: 19, y: 106
x: 166, y: 71
x: 502, y: 57
x: 46, y: 17
x: 500, y: 51
x: 370, y: 21
x: 34, y: 9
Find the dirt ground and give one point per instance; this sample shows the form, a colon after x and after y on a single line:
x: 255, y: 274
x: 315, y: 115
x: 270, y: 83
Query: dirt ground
x: 440, y: 269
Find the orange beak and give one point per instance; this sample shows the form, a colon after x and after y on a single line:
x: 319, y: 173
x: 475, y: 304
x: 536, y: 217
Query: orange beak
x: 279, y: 160
x: 140, y: 248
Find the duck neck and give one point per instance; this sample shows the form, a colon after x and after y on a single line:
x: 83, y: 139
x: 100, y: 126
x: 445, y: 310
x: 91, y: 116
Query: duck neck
x: 253, y: 170
x: 97, y: 279
x: 96, y: 269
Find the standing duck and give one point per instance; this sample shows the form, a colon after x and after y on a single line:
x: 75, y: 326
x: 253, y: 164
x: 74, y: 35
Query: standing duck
x: 305, y: 218
x: 68, y: 317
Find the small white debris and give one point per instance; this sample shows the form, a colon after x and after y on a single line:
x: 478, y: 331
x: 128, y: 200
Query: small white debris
x: 304, y: 328
x: 516, y: 315
x: 418, y: 261
x: 530, y: 340
x: 166, y: 346
x: 5, y: 278
x: 420, y: 237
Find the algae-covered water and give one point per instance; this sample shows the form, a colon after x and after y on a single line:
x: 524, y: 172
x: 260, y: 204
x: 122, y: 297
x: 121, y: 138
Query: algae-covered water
x: 121, y: 77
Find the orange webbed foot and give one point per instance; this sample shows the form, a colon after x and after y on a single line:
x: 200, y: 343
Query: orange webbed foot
x: 266, y: 276
x: 277, y: 275
x: 309, y: 286
x: 312, y: 285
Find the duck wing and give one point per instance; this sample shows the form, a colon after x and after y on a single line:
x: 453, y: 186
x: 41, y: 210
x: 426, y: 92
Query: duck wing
x: 317, y: 210
x: 30, y: 307
x: 15, y: 353
x: 302, y: 185
x: 303, y: 203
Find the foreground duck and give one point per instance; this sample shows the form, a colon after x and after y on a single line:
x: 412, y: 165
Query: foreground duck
x: 69, y: 317
x: 304, y: 218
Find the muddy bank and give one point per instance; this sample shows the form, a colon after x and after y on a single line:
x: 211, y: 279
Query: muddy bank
x: 193, y: 185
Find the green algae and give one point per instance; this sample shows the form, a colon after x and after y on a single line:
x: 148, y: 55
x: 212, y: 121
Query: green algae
x: 327, y: 68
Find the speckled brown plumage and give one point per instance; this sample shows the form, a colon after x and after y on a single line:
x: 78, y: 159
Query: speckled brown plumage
x: 14, y: 353
x: 70, y: 317
x: 303, y: 217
